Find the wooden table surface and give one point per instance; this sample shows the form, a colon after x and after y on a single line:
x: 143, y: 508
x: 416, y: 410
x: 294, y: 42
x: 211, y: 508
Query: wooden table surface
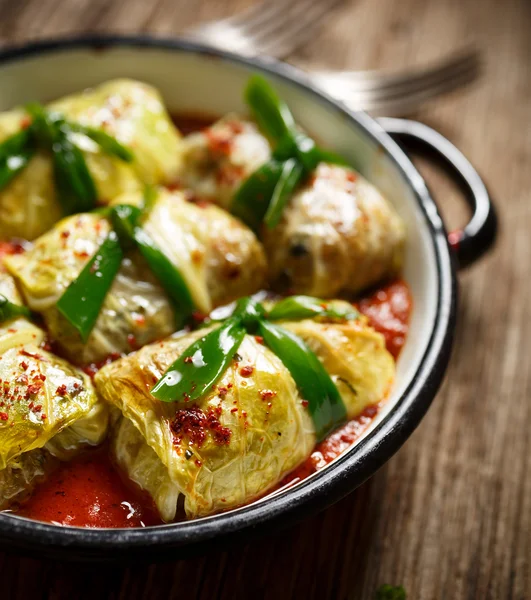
x: 449, y: 517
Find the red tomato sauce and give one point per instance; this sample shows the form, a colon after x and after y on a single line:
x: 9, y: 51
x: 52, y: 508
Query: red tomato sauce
x: 88, y: 492
x: 190, y: 122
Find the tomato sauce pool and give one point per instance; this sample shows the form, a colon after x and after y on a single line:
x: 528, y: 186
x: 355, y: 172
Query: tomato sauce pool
x: 88, y: 492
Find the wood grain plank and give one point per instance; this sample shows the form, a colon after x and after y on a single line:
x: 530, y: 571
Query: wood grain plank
x: 450, y: 515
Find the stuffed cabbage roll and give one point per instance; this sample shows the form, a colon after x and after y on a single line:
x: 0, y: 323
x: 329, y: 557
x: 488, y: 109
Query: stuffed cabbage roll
x: 216, y: 160
x: 337, y: 234
x: 243, y: 437
x: 132, y: 113
x: 48, y: 411
x: 218, y: 257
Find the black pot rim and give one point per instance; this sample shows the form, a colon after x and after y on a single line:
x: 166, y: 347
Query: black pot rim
x: 323, y: 488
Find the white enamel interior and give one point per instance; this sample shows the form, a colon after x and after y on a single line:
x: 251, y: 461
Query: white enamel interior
x: 195, y: 82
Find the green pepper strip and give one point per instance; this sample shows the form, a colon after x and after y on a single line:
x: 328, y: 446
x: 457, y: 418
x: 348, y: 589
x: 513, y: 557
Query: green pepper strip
x: 325, y: 404
x: 76, y: 190
x: 9, y: 310
x: 292, y: 174
x: 125, y: 220
x: 106, y: 142
x: 265, y: 193
x: 15, y: 153
x: 306, y: 307
x: 251, y: 200
x: 203, y: 363
x: 201, y: 366
x: 82, y: 301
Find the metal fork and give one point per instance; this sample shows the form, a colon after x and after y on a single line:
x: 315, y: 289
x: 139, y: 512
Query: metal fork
x: 275, y: 28
x: 393, y: 94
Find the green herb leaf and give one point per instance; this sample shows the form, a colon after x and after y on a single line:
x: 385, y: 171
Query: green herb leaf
x: 390, y: 592
x: 306, y: 307
x: 81, y: 302
x: 106, y: 142
x: 292, y: 173
x: 325, y: 404
x: 9, y: 310
x: 252, y: 199
x: 201, y: 366
x: 271, y: 113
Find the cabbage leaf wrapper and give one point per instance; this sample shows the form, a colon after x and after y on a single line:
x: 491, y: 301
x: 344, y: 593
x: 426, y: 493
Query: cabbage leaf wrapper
x: 219, y: 258
x: 131, y: 112
x: 239, y: 440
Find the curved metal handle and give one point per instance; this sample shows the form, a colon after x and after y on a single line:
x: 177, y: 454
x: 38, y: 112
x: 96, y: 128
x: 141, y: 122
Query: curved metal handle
x: 478, y: 236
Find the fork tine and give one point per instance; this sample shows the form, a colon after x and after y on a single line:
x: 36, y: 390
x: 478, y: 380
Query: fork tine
x: 408, y: 101
x: 388, y: 83
x: 297, y: 26
x: 360, y: 81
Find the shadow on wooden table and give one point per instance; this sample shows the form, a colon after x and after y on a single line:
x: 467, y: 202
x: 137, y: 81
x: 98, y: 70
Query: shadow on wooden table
x: 306, y: 561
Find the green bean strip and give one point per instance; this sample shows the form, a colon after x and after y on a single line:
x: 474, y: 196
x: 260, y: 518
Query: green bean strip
x: 82, y: 301
x: 9, y: 310
x: 201, y: 366
x: 325, y: 404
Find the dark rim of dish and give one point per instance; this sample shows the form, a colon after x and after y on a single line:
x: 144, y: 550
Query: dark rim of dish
x: 354, y: 466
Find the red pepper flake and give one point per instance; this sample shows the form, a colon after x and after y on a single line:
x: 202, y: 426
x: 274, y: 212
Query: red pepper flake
x: 229, y: 385
x: 31, y: 355
x: 11, y: 330
x: 222, y: 391
x: 25, y: 122
x: 198, y: 463
x: 61, y: 390
x: 246, y: 371
x: 259, y: 339
x: 351, y: 176
x: 65, y: 235
x: 188, y: 360
x: 267, y: 394
x: 81, y: 254
x: 194, y: 424
x: 76, y: 385
x: 35, y: 388
x: 4, y: 416
x: 24, y: 365
x: 43, y: 417
x: 38, y: 408
x: 305, y: 403
x: 233, y: 410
